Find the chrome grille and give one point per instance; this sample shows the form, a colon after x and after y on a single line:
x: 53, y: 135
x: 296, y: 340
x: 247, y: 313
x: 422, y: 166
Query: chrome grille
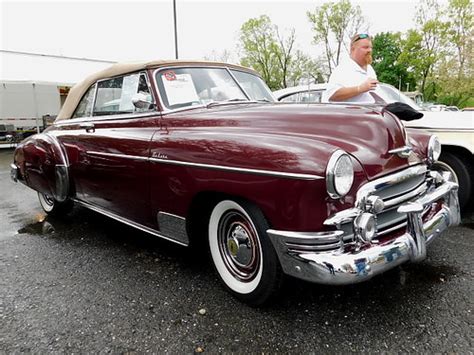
x: 395, y: 190
x: 394, y: 195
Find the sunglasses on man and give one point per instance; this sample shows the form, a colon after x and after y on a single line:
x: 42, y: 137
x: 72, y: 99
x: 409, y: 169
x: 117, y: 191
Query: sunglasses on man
x: 359, y: 36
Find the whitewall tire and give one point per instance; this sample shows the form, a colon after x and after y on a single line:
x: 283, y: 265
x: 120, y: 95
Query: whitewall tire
x: 241, y: 251
x: 53, y: 207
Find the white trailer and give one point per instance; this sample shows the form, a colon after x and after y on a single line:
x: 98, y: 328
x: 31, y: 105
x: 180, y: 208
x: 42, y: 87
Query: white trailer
x: 24, y: 104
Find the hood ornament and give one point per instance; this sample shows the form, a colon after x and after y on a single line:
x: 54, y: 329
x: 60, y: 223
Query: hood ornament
x: 402, y: 152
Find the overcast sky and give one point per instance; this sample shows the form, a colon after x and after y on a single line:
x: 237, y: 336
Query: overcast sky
x: 137, y: 30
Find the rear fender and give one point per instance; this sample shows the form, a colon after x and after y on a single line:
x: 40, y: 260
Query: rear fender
x: 44, y: 165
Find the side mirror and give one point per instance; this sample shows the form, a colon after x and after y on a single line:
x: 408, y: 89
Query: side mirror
x: 142, y: 101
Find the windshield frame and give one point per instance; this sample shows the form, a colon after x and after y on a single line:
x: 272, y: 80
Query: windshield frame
x: 271, y: 98
x: 165, y: 109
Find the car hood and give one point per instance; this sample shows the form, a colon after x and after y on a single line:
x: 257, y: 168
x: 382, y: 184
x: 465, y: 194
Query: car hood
x: 365, y: 132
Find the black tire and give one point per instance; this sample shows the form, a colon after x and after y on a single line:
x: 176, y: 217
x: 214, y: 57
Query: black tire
x: 242, y: 253
x: 53, y: 207
x: 460, y: 171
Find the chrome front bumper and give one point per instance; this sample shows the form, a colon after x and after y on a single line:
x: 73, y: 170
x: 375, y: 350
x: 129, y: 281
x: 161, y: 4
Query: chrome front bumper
x: 355, y: 263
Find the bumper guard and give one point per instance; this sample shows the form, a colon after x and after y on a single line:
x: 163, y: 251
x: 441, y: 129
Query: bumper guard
x: 353, y: 265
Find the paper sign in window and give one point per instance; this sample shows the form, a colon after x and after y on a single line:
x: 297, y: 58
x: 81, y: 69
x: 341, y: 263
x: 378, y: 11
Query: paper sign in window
x: 129, y: 89
x: 180, y: 90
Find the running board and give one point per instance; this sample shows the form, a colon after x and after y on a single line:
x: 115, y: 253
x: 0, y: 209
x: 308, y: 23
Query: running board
x: 129, y: 222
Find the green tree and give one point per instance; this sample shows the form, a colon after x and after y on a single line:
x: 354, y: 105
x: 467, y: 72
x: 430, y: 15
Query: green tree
x: 283, y: 54
x: 304, y: 69
x: 424, y: 46
x: 265, y: 50
x: 449, y: 89
x: 460, y: 32
x: 439, y: 51
x: 273, y: 55
x: 453, y: 81
x: 334, y: 23
x: 387, y: 48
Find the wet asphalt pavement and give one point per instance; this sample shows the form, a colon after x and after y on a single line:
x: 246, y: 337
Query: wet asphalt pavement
x: 86, y: 283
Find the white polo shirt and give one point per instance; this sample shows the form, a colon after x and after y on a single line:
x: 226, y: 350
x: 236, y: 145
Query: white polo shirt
x: 346, y: 74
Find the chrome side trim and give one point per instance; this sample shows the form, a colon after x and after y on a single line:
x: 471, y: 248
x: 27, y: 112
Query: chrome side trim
x: 213, y: 167
x: 240, y: 170
x: 115, y: 155
x: 127, y: 221
x: 77, y: 120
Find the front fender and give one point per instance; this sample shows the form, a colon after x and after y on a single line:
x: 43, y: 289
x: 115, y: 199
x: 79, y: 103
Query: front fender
x: 43, y: 165
x: 264, y: 168
x: 419, y: 140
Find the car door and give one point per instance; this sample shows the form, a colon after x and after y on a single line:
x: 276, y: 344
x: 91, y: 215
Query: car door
x: 110, y: 149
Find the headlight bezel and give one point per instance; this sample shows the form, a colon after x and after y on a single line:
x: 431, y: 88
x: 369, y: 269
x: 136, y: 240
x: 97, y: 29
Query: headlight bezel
x: 434, y: 149
x: 334, y: 190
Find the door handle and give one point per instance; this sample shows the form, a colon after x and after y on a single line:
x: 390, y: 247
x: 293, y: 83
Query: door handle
x: 89, y: 127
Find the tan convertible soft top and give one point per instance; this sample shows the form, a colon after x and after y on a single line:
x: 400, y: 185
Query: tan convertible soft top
x: 78, y: 90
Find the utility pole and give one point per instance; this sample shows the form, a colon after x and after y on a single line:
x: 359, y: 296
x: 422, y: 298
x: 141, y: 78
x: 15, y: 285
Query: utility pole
x: 175, y: 30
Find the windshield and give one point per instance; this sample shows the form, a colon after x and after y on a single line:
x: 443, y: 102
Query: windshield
x: 254, y: 86
x: 183, y: 87
x: 389, y: 94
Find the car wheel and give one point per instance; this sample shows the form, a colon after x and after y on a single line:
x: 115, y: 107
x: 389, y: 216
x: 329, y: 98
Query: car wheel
x: 460, y: 174
x: 53, y: 207
x: 242, y: 253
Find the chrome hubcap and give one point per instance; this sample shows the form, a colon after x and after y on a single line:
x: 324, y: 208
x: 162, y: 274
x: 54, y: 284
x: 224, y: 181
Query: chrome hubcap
x: 48, y: 199
x: 239, y: 246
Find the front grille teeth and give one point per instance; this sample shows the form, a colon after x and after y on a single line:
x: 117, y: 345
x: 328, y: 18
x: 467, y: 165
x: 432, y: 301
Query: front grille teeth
x: 394, y: 193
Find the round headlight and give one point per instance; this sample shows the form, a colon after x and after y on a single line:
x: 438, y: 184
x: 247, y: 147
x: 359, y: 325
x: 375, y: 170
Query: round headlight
x: 339, y: 174
x: 434, y: 149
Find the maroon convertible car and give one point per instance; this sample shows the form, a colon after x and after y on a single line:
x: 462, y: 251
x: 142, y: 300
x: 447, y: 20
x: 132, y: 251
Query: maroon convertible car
x: 199, y: 153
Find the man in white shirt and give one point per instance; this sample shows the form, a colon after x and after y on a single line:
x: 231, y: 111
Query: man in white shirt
x: 352, y: 80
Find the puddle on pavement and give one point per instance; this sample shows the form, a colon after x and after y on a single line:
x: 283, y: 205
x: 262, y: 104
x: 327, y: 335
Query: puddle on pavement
x: 41, y: 227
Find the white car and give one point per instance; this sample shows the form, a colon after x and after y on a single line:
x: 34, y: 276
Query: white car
x: 454, y: 129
